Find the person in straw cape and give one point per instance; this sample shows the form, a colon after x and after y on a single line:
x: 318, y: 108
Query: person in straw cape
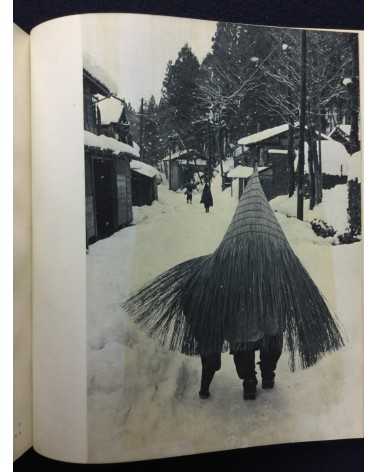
x: 252, y: 293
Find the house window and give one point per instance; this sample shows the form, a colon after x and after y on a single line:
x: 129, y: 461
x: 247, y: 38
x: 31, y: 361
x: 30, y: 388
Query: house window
x: 90, y: 121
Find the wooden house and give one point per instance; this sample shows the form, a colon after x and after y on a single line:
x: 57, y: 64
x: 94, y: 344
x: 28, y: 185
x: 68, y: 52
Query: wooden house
x: 341, y: 133
x: 108, y: 194
x: 113, y: 120
x: 181, y: 166
x: 92, y: 88
x: 144, y: 183
x: 242, y: 174
x: 269, y: 149
x: 256, y: 146
x: 107, y: 185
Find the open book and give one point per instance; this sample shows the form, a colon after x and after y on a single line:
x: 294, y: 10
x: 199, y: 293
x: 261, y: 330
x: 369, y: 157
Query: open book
x: 187, y: 203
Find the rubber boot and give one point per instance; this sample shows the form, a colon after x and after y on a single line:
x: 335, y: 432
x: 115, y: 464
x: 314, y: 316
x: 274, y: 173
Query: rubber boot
x: 249, y: 389
x: 206, y: 379
x: 267, y: 376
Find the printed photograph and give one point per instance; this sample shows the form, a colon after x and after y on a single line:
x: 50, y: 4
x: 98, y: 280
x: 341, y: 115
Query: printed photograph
x: 223, y: 174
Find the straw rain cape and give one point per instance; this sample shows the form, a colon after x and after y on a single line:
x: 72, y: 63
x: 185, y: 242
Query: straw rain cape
x: 251, y: 286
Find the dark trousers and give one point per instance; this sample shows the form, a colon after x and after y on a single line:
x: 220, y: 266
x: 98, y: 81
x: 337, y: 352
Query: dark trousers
x: 210, y: 364
x: 270, y: 351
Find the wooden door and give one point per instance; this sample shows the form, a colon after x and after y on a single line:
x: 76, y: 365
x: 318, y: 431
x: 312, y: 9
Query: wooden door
x: 104, y: 195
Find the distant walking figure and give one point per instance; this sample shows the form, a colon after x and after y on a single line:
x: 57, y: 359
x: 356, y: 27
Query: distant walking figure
x: 189, y: 194
x: 207, y: 198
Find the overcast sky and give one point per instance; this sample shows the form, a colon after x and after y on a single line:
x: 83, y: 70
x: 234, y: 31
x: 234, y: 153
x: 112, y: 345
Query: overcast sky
x: 135, y: 49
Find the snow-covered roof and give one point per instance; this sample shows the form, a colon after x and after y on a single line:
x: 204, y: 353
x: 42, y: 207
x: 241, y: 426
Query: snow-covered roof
x: 104, y: 142
x: 277, y: 151
x: 143, y: 169
x: 269, y: 133
x: 238, y: 151
x: 344, y: 128
x: 263, y: 135
x: 90, y: 64
x: 136, y: 147
x: 335, y: 159
x: 177, y: 154
x: 243, y: 172
x: 227, y: 165
x: 196, y: 162
x: 355, y: 166
x: 111, y: 110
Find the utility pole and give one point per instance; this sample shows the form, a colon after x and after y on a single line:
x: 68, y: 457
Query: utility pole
x: 221, y: 151
x: 290, y: 141
x: 209, y: 153
x: 170, y: 169
x: 171, y: 139
x: 354, y: 99
x: 302, y: 124
x: 141, y: 129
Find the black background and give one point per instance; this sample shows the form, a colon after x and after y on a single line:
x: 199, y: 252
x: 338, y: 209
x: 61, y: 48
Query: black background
x: 342, y: 455
x: 344, y: 14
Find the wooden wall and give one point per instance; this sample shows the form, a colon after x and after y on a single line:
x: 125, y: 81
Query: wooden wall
x: 108, y: 194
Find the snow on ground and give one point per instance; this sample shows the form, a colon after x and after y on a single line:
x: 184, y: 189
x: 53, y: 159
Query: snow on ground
x: 332, y: 210
x: 142, y: 399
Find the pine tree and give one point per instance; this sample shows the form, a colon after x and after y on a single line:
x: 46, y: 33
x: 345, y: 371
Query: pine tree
x: 179, y: 104
x: 152, y: 143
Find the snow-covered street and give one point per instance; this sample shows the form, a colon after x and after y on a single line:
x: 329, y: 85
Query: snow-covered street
x: 143, y: 400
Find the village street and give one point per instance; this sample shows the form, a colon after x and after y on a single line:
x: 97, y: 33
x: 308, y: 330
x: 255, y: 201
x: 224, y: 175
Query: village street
x: 143, y: 401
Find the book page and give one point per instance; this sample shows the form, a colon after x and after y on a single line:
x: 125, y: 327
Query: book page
x: 22, y: 298
x: 197, y: 237
x: 206, y: 284
x: 59, y: 272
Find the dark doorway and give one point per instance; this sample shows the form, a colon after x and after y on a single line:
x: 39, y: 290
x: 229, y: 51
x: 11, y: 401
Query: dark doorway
x: 103, y: 180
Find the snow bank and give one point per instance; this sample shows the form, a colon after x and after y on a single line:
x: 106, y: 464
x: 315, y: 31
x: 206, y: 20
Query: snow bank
x: 104, y: 142
x: 355, y: 166
x: 335, y: 159
x: 332, y: 210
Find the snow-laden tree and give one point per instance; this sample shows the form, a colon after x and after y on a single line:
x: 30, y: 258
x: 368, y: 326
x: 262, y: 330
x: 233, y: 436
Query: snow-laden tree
x: 328, y: 62
x: 230, y: 77
x: 152, y: 139
x: 179, y: 105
